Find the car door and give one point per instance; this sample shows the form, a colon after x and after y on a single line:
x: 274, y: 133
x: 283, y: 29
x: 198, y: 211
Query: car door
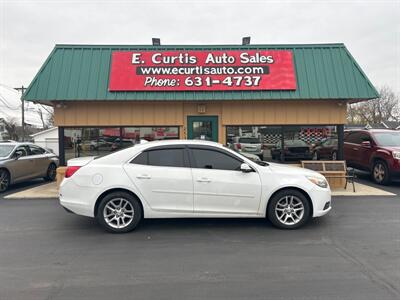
x: 164, y: 178
x: 40, y: 160
x: 362, y: 158
x: 351, y: 146
x: 23, y: 166
x: 218, y: 184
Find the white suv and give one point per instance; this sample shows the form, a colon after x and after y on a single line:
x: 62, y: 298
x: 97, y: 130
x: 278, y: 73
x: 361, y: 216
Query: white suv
x: 190, y: 179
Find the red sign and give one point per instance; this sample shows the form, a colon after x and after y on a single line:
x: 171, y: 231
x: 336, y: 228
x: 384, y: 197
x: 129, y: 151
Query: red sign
x: 202, y: 70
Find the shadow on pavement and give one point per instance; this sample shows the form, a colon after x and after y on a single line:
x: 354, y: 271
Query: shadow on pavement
x: 21, y: 186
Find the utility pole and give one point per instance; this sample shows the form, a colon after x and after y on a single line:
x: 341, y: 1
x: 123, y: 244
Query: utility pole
x: 22, y: 89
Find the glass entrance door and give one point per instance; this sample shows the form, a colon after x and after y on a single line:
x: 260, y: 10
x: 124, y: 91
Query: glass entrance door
x: 203, y: 128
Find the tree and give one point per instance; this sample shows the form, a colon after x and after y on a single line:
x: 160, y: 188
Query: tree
x: 11, y: 128
x: 384, y: 108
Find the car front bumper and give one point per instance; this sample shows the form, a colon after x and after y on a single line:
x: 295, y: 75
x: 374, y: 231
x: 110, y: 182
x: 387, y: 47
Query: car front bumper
x: 322, y: 201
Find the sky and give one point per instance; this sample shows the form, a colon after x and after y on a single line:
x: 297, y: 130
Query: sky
x: 30, y: 29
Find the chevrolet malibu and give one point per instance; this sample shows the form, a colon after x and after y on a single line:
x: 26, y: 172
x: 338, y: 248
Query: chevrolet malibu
x: 190, y: 179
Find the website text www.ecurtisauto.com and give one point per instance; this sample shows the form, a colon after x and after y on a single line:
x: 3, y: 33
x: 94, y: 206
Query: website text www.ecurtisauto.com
x: 201, y: 70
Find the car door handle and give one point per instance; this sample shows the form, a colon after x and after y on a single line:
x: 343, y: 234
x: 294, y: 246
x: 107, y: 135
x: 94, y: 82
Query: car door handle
x: 355, y: 149
x: 143, y: 176
x: 204, y: 179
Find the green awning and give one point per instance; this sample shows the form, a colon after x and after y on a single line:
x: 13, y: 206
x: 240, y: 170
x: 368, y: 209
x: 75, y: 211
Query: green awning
x: 81, y: 72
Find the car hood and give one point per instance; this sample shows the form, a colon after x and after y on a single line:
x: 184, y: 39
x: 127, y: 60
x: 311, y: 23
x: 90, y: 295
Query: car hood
x: 392, y: 148
x: 292, y: 170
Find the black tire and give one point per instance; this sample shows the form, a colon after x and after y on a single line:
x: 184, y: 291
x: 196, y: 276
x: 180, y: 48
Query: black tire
x: 380, y: 172
x: 4, y: 180
x: 51, y: 172
x: 133, y: 205
x: 274, y: 214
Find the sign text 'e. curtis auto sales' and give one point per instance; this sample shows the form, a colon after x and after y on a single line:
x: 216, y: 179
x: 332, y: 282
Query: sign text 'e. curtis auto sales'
x: 202, y: 70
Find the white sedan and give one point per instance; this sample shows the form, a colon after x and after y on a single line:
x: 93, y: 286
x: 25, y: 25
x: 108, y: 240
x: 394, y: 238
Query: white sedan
x: 190, y: 179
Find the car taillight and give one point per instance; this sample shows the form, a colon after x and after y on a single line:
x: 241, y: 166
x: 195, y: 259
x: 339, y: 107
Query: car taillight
x: 71, y: 170
x: 238, y: 146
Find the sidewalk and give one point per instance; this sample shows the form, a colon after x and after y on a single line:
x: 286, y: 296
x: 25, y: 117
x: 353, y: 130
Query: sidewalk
x: 50, y: 191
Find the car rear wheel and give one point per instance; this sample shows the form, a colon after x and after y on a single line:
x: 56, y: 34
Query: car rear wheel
x: 119, y: 212
x: 51, y: 172
x: 4, y: 180
x: 380, y: 172
x: 288, y: 209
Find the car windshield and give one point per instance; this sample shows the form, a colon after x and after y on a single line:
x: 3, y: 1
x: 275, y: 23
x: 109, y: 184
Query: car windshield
x: 249, y: 140
x: 388, y: 139
x: 5, y: 150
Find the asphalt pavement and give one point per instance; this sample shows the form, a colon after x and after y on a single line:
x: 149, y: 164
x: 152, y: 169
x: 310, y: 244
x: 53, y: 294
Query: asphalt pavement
x: 353, y: 253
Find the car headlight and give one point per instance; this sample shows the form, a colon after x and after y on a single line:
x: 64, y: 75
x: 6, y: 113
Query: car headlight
x: 396, y: 154
x: 321, y: 182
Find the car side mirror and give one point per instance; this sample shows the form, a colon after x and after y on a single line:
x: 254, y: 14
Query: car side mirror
x: 366, y: 144
x: 17, y: 155
x: 245, y: 168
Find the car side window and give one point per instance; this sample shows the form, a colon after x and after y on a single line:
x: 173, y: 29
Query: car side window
x: 35, y: 150
x: 21, y: 150
x: 166, y: 157
x: 141, y: 159
x: 353, y: 137
x: 364, y: 137
x: 210, y: 159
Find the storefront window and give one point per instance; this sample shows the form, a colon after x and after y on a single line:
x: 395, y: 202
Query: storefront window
x: 284, y: 143
x: 96, y: 141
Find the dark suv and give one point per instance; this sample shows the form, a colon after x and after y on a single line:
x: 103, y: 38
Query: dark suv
x: 376, y: 151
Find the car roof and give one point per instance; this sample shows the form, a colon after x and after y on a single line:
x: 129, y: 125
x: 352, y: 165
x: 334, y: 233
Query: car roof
x: 178, y: 142
x: 14, y: 143
x: 371, y: 130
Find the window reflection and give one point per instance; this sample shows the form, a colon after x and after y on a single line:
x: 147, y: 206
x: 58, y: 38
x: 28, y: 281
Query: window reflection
x: 284, y: 143
x: 80, y: 142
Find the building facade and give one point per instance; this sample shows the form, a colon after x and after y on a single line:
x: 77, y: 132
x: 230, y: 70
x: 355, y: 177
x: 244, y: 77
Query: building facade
x: 280, y: 102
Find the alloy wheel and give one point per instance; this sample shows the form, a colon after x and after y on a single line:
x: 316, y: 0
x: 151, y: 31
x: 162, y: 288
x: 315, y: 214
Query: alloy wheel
x: 51, y: 172
x: 4, y: 180
x: 289, y: 210
x: 118, y: 213
x: 379, y: 172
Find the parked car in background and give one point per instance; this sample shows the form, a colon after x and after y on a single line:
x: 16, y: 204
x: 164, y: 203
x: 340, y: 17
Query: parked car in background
x: 292, y: 150
x: 376, y: 151
x: 326, y: 149
x: 183, y: 179
x: 250, y: 145
x: 23, y: 161
x: 250, y: 156
x: 118, y: 144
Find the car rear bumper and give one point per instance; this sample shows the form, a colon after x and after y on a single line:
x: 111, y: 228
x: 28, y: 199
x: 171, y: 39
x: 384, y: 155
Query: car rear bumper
x: 71, y: 200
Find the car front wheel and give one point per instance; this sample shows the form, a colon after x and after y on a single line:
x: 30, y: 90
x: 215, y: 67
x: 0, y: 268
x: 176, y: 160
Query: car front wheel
x: 380, y: 173
x: 4, y: 180
x: 288, y: 209
x: 119, y: 212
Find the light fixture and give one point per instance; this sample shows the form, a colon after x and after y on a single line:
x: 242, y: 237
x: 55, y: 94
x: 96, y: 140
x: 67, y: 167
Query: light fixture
x: 156, y: 41
x: 246, y: 40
